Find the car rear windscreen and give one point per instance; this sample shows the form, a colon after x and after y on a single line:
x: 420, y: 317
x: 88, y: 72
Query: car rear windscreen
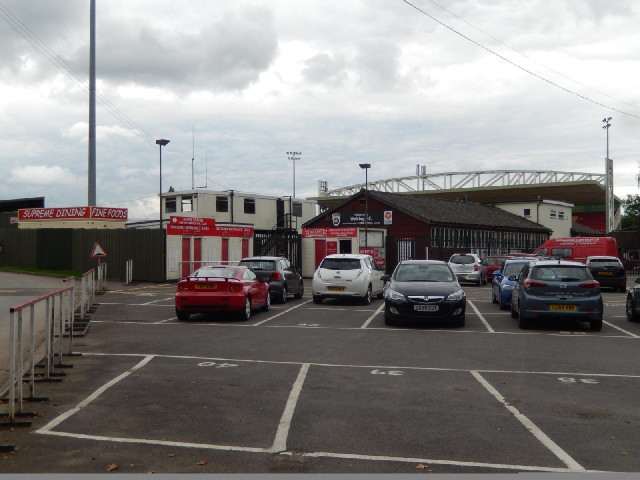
x: 259, y: 264
x: 216, y: 272
x: 561, y: 273
x: 602, y: 263
x: 463, y: 259
x: 340, y: 264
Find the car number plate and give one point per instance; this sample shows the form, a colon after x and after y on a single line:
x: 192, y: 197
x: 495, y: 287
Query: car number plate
x: 605, y: 273
x: 206, y: 286
x: 336, y: 289
x: 563, y: 308
x: 426, y: 308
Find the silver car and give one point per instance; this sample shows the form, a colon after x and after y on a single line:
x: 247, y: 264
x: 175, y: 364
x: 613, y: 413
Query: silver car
x: 468, y: 267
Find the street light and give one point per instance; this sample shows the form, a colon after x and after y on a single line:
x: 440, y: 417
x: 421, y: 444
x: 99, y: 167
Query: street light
x: 294, y: 156
x: 162, y: 143
x: 366, y: 167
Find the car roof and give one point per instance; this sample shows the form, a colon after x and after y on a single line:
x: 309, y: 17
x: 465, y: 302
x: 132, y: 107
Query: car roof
x: 550, y: 263
x: 263, y: 258
x: 602, y: 257
x: 466, y: 254
x: 519, y: 260
x: 422, y: 262
x: 348, y: 255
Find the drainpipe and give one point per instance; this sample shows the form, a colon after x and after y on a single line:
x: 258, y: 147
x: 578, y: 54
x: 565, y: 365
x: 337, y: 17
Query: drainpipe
x: 231, y: 201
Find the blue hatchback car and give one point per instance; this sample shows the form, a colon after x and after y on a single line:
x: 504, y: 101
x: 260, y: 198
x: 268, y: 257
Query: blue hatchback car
x: 505, y: 279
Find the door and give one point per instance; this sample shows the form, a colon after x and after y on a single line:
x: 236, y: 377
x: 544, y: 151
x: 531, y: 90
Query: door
x: 186, y: 256
x: 321, y: 251
x: 197, y: 253
x: 245, y: 247
x: 224, y: 253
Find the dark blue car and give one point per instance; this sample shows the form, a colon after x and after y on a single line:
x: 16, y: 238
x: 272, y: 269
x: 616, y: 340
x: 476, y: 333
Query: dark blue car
x: 505, y: 279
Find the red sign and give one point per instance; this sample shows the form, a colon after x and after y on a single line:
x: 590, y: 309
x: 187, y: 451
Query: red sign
x: 72, y: 213
x: 192, y: 227
x: 229, y: 231
x: 332, y: 247
x: 345, y: 232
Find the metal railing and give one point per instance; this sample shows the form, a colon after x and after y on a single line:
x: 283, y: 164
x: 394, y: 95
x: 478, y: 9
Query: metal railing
x: 43, y: 347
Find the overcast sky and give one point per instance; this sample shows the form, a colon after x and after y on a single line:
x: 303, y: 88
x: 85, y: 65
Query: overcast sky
x: 456, y: 85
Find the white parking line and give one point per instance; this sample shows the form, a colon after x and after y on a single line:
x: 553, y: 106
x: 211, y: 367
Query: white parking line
x: 529, y: 425
x: 370, y: 319
x: 280, y: 442
x: 621, y: 329
x: 281, y: 313
x: 486, y: 324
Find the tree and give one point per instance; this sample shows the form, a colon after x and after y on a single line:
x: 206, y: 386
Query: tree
x: 631, y: 215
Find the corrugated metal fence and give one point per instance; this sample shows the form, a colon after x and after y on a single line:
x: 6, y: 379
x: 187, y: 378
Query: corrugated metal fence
x: 70, y: 249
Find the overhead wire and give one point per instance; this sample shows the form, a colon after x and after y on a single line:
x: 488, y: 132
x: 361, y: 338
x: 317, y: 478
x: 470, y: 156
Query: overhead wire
x: 14, y: 22
x: 502, y: 57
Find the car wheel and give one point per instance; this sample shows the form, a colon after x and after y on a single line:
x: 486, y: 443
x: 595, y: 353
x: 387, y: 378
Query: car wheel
x: 523, y: 322
x: 389, y: 320
x: 630, y: 309
x: 514, y: 314
x: 182, y: 315
x: 493, y: 296
x: 595, y: 325
x: 283, y: 295
x: 623, y: 288
x: 267, y: 303
x: 317, y: 299
x: 245, y: 313
x: 367, y: 298
x: 300, y: 292
x: 460, y: 321
x: 484, y: 282
x: 503, y: 306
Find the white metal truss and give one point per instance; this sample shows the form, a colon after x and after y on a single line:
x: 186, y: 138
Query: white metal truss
x: 458, y: 180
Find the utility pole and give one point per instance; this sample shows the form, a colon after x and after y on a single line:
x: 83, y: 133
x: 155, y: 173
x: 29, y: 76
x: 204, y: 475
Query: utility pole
x: 92, y: 105
x: 609, y: 198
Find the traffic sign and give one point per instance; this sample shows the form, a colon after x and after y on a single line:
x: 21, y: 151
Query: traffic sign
x: 98, y: 251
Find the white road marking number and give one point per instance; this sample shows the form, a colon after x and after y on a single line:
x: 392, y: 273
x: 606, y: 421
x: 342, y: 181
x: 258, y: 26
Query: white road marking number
x: 388, y: 372
x: 217, y: 365
x: 575, y: 380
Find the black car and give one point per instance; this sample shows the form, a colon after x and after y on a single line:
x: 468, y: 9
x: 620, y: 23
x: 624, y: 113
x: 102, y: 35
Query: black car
x: 633, y: 302
x: 424, y: 291
x: 283, y: 278
x: 608, y: 271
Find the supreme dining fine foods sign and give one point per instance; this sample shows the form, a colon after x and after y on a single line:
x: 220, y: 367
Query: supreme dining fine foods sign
x: 72, y: 213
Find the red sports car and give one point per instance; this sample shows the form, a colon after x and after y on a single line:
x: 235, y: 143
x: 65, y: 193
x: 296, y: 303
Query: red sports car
x: 221, y: 289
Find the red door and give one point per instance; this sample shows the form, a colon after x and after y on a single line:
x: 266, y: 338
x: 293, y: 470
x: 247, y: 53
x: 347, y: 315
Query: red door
x: 321, y: 251
x: 245, y: 247
x: 186, y: 256
x: 197, y: 253
x: 224, y: 254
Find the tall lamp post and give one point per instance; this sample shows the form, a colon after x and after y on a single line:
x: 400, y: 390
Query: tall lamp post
x: 366, y: 167
x: 608, y: 169
x: 294, y: 156
x: 161, y: 143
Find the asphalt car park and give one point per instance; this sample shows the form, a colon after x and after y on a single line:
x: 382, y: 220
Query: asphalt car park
x: 329, y: 388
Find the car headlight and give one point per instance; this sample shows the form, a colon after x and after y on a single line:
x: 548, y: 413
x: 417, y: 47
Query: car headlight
x: 507, y: 288
x: 393, y: 295
x: 459, y: 295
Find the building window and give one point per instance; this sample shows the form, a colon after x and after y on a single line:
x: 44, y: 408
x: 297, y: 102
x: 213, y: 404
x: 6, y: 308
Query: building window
x: 222, y: 204
x: 527, y: 212
x: 187, y: 203
x: 553, y: 214
x: 170, y: 205
x: 250, y: 205
x: 560, y: 214
x: 297, y: 209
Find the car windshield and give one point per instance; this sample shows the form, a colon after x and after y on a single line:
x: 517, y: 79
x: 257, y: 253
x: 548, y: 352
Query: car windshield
x: 463, y: 259
x: 259, y: 264
x: 423, y: 273
x: 560, y: 273
x: 512, y: 269
x: 340, y: 264
x: 603, y: 262
x: 224, y: 272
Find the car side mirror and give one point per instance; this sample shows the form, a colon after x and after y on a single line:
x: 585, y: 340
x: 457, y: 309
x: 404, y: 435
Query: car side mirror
x: 513, y: 278
x: 385, y: 278
x: 637, y: 280
x: 496, y: 272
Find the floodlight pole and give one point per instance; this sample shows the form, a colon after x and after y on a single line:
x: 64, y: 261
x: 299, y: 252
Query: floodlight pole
x: 366, y: 167
x: 294, y: 156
